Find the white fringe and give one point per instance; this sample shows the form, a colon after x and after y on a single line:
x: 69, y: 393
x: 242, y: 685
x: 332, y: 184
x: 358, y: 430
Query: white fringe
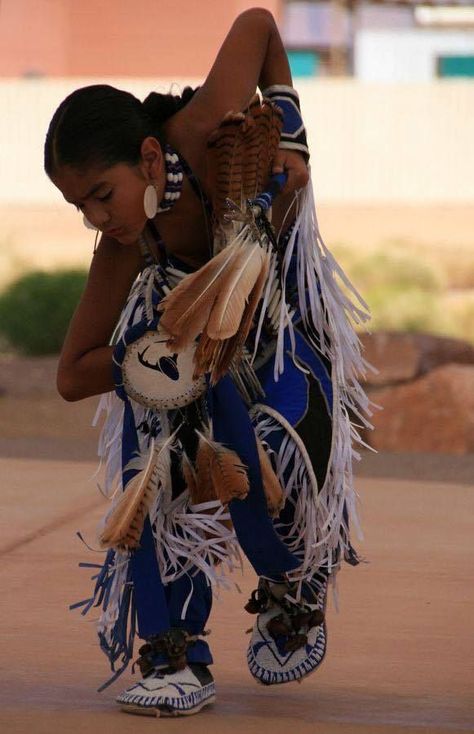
x: 191, y: 537
x: 329, y: 313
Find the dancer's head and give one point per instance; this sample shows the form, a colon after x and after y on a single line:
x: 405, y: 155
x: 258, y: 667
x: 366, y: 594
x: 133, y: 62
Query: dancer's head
x: 103, y: 148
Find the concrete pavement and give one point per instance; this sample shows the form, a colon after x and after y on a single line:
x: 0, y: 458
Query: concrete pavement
x: 401, y: 649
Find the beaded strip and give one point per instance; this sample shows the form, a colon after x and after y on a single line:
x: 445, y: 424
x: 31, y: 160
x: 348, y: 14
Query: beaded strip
x: 293, y: 134
x: 174, y: 179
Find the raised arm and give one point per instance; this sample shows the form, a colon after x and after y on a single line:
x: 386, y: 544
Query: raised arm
x: 251, y: 56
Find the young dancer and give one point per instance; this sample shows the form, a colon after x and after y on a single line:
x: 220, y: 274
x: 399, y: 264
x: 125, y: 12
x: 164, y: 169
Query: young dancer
x: 227, y: 362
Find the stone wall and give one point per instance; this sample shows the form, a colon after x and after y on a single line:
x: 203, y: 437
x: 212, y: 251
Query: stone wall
x: 425, y: 387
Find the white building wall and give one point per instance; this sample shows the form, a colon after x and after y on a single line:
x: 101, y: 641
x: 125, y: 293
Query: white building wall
x: 405, y: 55
x: 370, y: 142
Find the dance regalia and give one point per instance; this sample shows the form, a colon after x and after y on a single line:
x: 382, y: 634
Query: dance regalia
x: 256, y: 457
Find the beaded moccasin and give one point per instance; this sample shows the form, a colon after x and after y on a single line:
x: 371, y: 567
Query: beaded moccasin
x: 170, y: 693
x: 175, y: 688
x: 289, y: 637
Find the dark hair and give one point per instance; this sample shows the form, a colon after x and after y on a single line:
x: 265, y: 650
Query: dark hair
x: 101, y: 125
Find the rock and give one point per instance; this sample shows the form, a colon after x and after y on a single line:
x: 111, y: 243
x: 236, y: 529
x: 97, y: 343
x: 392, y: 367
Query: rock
x: 434, y: 413
x: 394, y: 354
x: 401, y: 357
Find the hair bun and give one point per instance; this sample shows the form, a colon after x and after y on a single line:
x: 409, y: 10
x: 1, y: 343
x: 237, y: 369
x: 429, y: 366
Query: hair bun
x: 159, y: 107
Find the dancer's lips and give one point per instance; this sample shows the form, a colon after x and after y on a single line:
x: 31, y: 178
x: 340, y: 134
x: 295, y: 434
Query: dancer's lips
x: 114, y: 232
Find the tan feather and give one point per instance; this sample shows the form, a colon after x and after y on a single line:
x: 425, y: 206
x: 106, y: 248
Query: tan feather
x: 123, y: 525
x: 207, y: 355
x: 227, y: 311
x: 215, y: 356
x: 232, y: 348
x: 187, y: 307
x: 271, y: 484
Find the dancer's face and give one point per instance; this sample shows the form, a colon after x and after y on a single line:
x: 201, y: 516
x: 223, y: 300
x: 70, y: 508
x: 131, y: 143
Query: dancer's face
x: 112, y: 198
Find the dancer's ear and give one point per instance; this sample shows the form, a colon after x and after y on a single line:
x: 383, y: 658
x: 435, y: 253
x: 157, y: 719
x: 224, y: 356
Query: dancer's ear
x: 151, y: 158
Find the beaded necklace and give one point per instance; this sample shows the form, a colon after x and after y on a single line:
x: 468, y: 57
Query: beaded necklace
x: 176, y: 167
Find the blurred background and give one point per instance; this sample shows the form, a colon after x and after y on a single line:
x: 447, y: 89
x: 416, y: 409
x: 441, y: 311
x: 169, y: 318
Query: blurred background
x: 387, y: 93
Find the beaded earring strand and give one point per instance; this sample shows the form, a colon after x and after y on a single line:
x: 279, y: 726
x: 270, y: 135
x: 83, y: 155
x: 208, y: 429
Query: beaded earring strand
x: 173, y: 186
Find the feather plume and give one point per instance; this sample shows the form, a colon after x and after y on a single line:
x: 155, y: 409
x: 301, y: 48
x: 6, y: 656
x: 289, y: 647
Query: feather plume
x: 224, y: 162
x: 216, y: 356
x: 271, y: 484
x: 236, y: 286
x: 239, y: 155
x: 204, y: 490
x: 187, y: 307
x: 123, y: 525
x: 190, y: 477
x: 223, y: 468
x: 232, y: 347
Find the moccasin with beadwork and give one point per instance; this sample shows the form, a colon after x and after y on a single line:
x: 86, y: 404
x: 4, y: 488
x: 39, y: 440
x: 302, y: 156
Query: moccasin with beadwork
x: 167, y: 692
x: 289, y: 636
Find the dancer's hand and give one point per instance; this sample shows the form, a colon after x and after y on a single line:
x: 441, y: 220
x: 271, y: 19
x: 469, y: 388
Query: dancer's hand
x: 293, y: 163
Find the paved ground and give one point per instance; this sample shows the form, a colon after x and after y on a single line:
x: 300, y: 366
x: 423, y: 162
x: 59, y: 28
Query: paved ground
x: 400, y: 650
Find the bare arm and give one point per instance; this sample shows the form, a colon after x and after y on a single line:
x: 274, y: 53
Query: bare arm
x: 85, y: 364
x: 252, y: 55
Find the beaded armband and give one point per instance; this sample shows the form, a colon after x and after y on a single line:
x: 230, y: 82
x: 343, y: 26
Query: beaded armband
x: 293, y: 135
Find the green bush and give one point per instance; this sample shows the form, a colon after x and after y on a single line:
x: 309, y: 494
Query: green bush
x: 404, y: 292
x: 35, y: 310
x: 395, y: 271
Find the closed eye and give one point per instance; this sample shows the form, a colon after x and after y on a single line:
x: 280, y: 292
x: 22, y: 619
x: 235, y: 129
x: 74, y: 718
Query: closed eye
x: 106, y: 197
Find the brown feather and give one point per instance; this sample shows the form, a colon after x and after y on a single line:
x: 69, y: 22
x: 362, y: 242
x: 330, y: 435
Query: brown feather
x: 205, y: 488
x: 271, y: 484
x: 216, y: 356
x: 227, y: 473
x: 240, y: 154
x: 232, y: 348
x: 123, y: 525
x: 190, y: 477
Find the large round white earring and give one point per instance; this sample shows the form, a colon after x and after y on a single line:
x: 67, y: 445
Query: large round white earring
x: 150, y: 201
x: 86, y: 222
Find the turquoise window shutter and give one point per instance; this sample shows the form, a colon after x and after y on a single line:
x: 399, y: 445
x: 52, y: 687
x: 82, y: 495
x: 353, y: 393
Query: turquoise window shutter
x: 449, y: 66
x: 303, y: 63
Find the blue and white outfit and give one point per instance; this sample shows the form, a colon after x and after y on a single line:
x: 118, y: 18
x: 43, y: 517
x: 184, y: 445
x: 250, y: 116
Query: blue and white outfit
x: 307, y: 416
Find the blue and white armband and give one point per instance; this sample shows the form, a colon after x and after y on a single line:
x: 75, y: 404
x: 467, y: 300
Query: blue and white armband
x: 293, y: 134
